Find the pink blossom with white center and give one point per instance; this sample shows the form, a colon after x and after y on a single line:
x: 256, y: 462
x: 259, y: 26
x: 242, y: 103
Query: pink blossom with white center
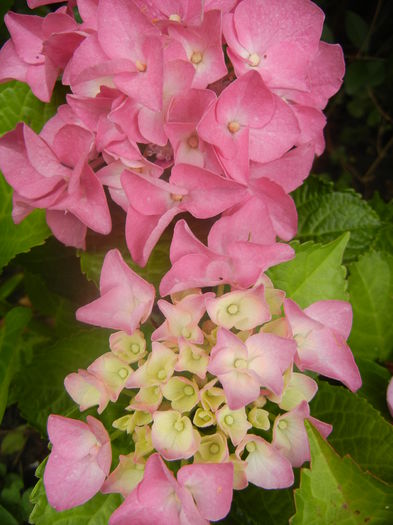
x: 320, y: 332
x: 194, y: 264
x: 87, y: 390
x: 182, y: 319
x: 278, y: 40
x: 266, y: 466
x: 126, y: 299
x: 54, y: 173
x: 173, y: 435
x: 290, y: 435
x: 200, y: 493
x: 243, y: 368
x: 202, y: 46
x: 78, y: 463
x: 38, y: 49
x: 157, y: 369
x: 248, y: 122
x: 184, y: 114
x: 153, y: 203
x: 242, y: 309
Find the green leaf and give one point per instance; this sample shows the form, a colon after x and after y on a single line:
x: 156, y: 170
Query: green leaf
x: 39, y: 388
x: 384, y: 238
x: 6, y: 518
x: 375, y: 383
x: 335, y: 490
x: 20, y: 238
x: 324, y: 214
x: 158, y: 263
x: 356, y: 28
x: 248, y: 505
x: 10, y: 339
x: 17, y: 103
x: 95, y: 512
x: 371, y: 293
x: 358, y: 429
x: 314, y: 274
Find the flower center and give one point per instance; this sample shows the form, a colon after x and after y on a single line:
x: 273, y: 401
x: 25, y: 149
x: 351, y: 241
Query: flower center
x: 179, y: 426
x: 254, y: 59
x: 229, y: 420
x: 232, y: 309
x: 282, y: 425
x: 135, y: 348
x: 240, y: 363
x: 196, y: 57
x: 195, y: 357
x: 233, y: 126
x: 141, y: 67
x: 214, y: 448
x: 123, y: 373
x: 161, y: 374
x: 186, y: 332
x: 205, y: 416
x: 251, y: 446
x: 188, y: 390
x: 193, y: 141
x: 175, y: 17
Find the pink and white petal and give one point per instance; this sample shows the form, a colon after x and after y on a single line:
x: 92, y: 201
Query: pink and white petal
x: 71, y: 438
x: 211, y: 487
x: 336, y: 315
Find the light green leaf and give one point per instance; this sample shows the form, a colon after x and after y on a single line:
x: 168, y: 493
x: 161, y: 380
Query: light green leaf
x: 324, y: 214
x: 19, y: 238
x: 371, y: 295
x: 39, y: 388
x: 10, y: 341
x: 314, y: 274
x: 95, y: 512
x: 358, y: 429
x: 335, y: 490
x: 17, y: 103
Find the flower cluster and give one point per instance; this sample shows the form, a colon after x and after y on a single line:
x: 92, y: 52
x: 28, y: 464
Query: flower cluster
x: 167, y: 118
x: 211, y: 108
x: 220, y: 390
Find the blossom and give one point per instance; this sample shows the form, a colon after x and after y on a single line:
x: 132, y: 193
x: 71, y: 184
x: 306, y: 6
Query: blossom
x: 200, y: 493
x: 126, y: 299
x: 78, y: 463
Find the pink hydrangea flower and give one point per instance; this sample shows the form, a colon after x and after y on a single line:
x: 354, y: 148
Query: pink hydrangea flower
x: 126, y: 299
x: 78, y: 463
x: 200, y: 493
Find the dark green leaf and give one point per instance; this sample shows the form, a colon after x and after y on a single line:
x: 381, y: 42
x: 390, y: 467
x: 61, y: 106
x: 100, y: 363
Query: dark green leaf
x: 10, y: 340
x: 357, y: 29
x: 358, y: 429
x: 324, y: 214
x: 335, y: 490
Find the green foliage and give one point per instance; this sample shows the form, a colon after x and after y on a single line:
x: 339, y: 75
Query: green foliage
x: 356, y: 28
x: 384, y: 238
x: 158, y: 263
x: 314, y: 274
x: 336, y: 491
x: 324, y: 214
x: 250, y: 504
x: 371, y: 292
x: 358, y: 429
x: 375, y: 379
x: 10, y: 342
x: 94, y: 512
x: 39, y: 389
